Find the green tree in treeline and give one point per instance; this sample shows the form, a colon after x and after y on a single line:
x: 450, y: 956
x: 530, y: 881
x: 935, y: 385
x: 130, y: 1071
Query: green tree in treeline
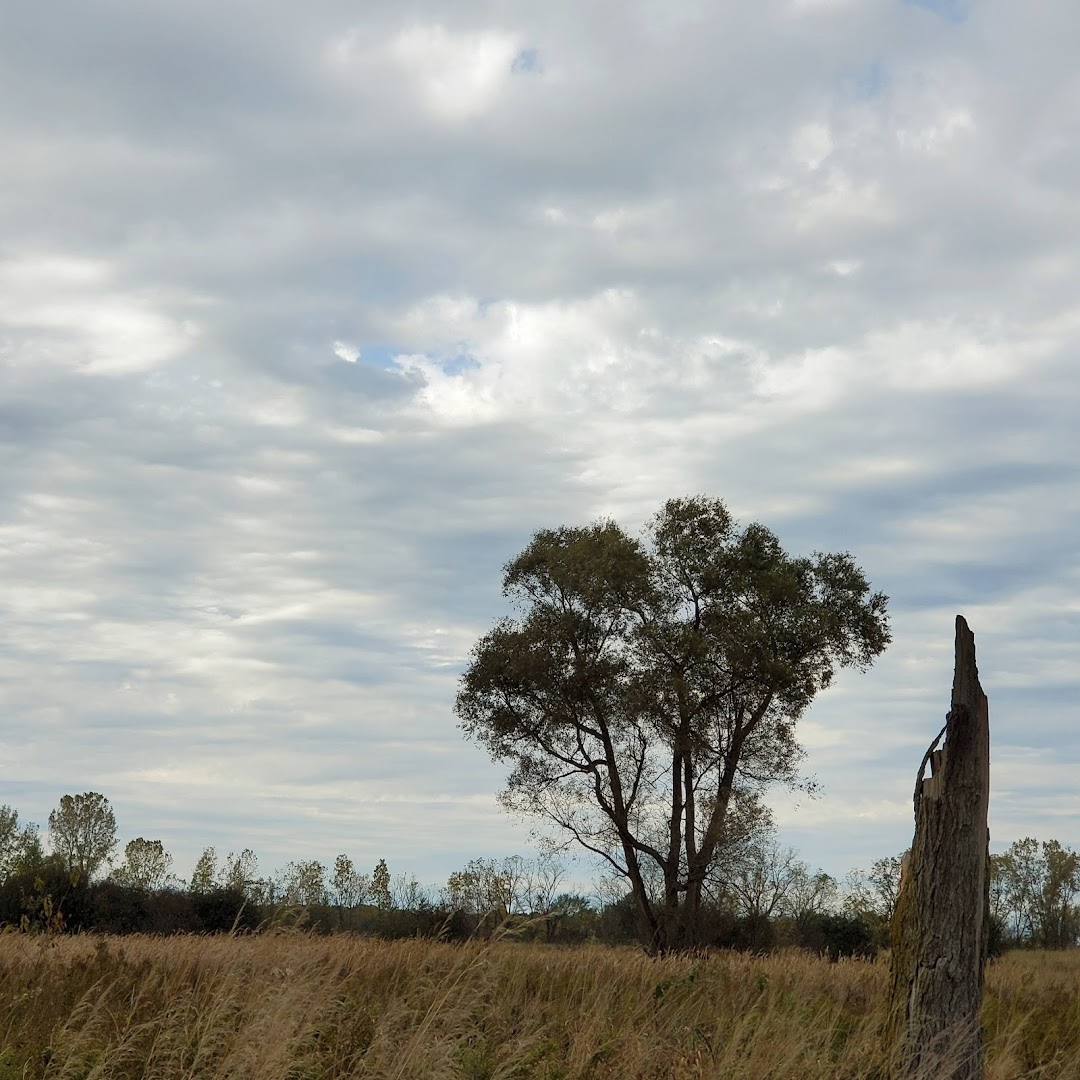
x: 146, y: 866
x: 82, y: 831
x: 1033, y: 894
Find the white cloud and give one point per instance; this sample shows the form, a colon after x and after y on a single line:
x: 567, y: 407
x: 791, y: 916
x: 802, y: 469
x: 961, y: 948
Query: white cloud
x: 811, y: 145
x: 59, y: 310
x: 456, y: 75
x: 344, y: 351
x: 376, y: 310
x: 933, y: 137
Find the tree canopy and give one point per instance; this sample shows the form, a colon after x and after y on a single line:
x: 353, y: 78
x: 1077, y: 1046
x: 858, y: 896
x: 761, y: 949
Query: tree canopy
x: 649, y: 689
x: 82, y: 830
x: 146, y: 865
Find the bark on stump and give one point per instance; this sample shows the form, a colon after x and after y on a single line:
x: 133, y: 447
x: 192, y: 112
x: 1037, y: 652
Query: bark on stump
x: 940, y: 926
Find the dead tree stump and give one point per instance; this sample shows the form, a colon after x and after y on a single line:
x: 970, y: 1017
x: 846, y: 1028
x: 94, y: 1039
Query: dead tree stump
x: 940, y: 926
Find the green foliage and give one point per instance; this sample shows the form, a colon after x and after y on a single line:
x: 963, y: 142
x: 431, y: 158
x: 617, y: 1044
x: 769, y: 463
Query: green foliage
x: 486, y: 887
x: 42, y: 915
x: 840, y: 935
x: 204, y: 877
x: 380, y: 886
x: 21, y: 851
x: 9, y: 832
x: 224, y: 910
x: 303, y: 883
x: 239, y: 871
x: 647, y: 687
x: 82, y: 830
x: 146, y: 865
x: 1033, y: 893
x: 350, y: 887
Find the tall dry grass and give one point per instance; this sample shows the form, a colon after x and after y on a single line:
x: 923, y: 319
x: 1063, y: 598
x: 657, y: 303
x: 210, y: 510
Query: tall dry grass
x: 309, y: 1008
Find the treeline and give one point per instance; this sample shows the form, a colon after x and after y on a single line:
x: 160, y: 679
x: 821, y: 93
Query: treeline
x: 762, y: 895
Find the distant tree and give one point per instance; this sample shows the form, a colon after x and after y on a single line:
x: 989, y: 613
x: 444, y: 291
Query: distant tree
x: 204, y: 878
x: 304, y: 883
x: 146, y: 865
x: 9, y: 839
x: 646, y: 685
x: 884, y: 878
x: 381, y: 895
x: 748, y: 840
x: 407, y: 894
x: 1034, y: 890
x: 82, y: 830
x: 350, y: 887
x: 512, y: 879
x: 565, y: 906
x: 760, y: 883
x: 1000, y: 907
x: 264, y: 892
x: 872, y: 893
x: 9, y: 824
x: 28, y: 855
x: 1058, y: 915
x: 477, y: 889
x: 543, y: 878
x: 239, y: 872
x: 810, y: 895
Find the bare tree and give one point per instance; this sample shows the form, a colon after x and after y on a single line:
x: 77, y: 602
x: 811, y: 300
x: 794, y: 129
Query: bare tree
x: 543, y: 878
x: 872, y: 893
x: 407, y: 893
x: 760, y: 883
x: 810, y: 894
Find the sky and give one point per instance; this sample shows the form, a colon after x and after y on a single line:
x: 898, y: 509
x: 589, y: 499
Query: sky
x: 311, y: 314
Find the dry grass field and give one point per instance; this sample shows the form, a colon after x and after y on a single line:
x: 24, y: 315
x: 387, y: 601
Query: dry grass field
x: 297, y: 1007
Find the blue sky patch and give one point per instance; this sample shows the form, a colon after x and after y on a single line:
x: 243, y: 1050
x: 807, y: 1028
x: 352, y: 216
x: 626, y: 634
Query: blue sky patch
x: 459, y: 362
x: 381, y: 354
x: 871, y: 82
x: 526, y: 60
x: 953, y: 11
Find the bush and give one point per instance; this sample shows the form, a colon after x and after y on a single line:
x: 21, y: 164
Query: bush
x: 838, y: 935
x: 223, y: 910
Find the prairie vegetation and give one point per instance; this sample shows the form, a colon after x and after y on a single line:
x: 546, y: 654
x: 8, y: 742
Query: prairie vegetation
x: 299, y: 1007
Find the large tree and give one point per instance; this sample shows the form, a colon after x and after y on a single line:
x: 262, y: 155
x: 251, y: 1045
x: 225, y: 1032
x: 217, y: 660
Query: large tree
x: 82, y: 830
x: 648, y: 686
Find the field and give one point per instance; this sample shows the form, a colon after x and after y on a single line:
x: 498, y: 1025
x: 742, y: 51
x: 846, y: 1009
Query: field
x: 298, y: 1007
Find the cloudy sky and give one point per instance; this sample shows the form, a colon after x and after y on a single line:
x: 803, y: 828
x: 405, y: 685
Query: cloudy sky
x: 310, y: 314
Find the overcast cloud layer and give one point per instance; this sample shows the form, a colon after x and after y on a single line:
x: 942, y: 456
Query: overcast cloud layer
x: 310, y: 314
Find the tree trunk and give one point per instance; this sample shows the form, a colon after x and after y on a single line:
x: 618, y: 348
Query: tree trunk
x: 940, y: 927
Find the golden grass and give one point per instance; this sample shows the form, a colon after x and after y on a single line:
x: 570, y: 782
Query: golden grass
x: 307, y: 1008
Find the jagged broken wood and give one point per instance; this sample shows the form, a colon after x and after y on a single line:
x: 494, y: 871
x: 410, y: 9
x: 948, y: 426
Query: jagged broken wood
x: 940, y: 926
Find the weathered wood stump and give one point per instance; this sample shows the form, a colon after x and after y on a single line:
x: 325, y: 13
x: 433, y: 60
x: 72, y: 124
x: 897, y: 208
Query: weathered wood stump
x: 940, y: 926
